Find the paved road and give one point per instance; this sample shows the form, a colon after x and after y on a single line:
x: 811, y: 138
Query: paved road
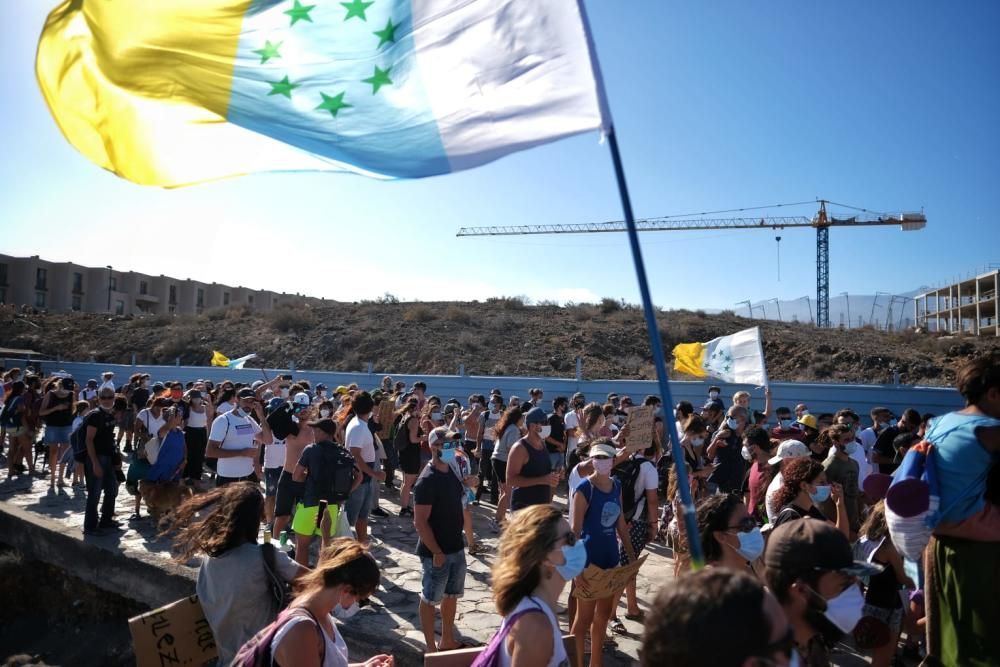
x: 392, y: 621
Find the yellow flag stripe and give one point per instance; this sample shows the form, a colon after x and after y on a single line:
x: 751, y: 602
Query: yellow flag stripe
x: 219, y: 359
x: 689, y: 358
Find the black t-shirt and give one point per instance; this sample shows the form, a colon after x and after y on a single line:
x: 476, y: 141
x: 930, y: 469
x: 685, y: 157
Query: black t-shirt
x: 731, y: 466
x: 793, y: 512
x: 558, y: 432
x: 139, y: 398
x: 883, y: 446
x: 323, y: 460
x: 104, y: 439
x: 443, y: 492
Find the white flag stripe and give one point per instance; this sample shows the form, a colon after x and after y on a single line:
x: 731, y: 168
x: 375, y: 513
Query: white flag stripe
x: 505, y: 75
x: 737, y: 358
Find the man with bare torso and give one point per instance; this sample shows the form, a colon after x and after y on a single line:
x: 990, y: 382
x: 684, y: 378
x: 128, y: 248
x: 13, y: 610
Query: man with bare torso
x: 290, y: 491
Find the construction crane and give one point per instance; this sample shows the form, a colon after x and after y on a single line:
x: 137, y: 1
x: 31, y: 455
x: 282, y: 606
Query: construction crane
x: 821, y: 222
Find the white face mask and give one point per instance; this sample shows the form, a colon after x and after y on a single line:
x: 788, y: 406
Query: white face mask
x: 697, y: 442
x: 713, y: 394
x: 284, y: 392
x: 546, y: 431
x: 745, y: 452
x: 851, y: 448
x: 845, y: 610
x: 733, y: 423
x: 603, y: 466
x: 343, y: 614
x: 436, y: 416
x: 322, y: 393
x: 324, y: 413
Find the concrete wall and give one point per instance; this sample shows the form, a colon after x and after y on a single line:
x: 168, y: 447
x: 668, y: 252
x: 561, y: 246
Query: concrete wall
x: 819, y: 397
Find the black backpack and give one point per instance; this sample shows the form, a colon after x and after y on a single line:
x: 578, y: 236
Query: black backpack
x: 627, y: 474
x: 342, y: 463
x: 401, y: 438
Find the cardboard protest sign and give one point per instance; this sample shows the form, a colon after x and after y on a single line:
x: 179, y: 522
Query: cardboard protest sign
x: 176, y: 634
x: 604, y: 583
x: 640, y: 428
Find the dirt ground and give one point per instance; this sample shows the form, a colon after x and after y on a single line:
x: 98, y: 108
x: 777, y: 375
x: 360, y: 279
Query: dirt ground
x: 502, y: 336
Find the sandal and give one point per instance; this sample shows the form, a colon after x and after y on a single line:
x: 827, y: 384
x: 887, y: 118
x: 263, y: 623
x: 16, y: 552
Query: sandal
x: 610, y: 643
x: 639, y: 618
x: 617, y: 627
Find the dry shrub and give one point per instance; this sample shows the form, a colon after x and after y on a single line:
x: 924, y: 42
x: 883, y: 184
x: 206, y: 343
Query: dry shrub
x: 419, y: 313
x: 291, y: 318
x: 458, y: 314
x: 609, y: 305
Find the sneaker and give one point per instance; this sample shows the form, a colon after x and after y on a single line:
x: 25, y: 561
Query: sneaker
x: 378, y: 511
x: 95, y: 532
x: 477, y: 548
x: 110, y: 524
x: 406, y: 511
x: 494, y: 526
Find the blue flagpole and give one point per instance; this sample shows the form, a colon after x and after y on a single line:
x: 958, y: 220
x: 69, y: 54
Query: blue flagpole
x: 694, y: 543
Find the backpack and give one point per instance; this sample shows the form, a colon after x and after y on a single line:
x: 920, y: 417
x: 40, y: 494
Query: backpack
x: 341, y: 461
x: 257, y: 651
x: 78, y: 442
x: 401, y: 439
x: 281, y: 422
x: 490, y: 656
x: 8, y: 416
x: 280, y: 589
x: 627, y: 474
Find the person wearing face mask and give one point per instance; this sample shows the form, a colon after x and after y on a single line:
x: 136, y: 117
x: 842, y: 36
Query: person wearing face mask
x: 758, y: 449
x: 572, y: 422
x: 804, y: 490
x: 555, y: 442
x: 598, y: 520
x: 842, y: 469
x: 488, y: 420
x: 346, y: 575
x: 714, y: 393
x: 538, y: 555
x: 785, y: 430
x: 99, y: 466
x: 57, y: 412
x: 880, y: 421
x: 360, y: 441
x: 729, y: 535
x: 851, y: 420
x: 529, y: 469
x: 235, y: 438
x: 810, y: 568
x: 787, y: 451
x: 509, y: 431
x: 438, y: 522
x: 407, y: 444
x: 717, y: 617
x: 725, y: 453
x: 201, y: 412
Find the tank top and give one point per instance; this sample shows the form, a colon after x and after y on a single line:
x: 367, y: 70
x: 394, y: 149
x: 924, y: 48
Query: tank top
x: 559, y: 657
x: 336, y: 648
x: 963, y: 464
x: 600, y: 523
x: 63, y: 417
x: 538, y: 464
x: 197, y: 419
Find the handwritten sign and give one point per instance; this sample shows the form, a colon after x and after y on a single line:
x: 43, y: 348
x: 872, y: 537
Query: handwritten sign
x: 176, y: 634
x: 605, y: 583
x: 640, y: 428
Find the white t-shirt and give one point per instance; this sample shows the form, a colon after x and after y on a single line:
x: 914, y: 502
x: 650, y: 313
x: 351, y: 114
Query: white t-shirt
x: 234, y: 432
x: 864, y: 469
x: 649, y: 480
x: 571, y: 421
x: 359, y: 436
x: 336, y: 648
x: 769, y: 501
x: 574, y: 481
x: 274, y: 454
x: 559, y: 657
x: 867, y: 437
x: 197, y: 419
x: 89, y: 394
x: 107, y: 384
x: 151, y: 423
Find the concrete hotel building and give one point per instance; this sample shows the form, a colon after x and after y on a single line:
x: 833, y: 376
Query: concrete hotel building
x: 969, y: 306
x: 64, y: 286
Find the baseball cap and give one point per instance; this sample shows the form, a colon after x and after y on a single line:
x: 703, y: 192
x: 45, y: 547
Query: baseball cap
x: 625, y: 400
x: 246, y: 393
x: 274, y: 404
x: 810, y: 544
x: 256, y: 384
x: 789, y: 449
x: 91, y: 383
x: 341, y: 390
x: 713, y: 404
x: 107, y: 374
x: 441, y: 434
x: 602, y: 449
x: 320, y: 386
x: 807, y: 420
x: 301, y: 398
x: 326, y: 425
x: 579, y: 395
x: 536, y: 416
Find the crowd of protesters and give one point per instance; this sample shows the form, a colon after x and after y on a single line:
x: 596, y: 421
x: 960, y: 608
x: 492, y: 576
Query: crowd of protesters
x: 791, y: 513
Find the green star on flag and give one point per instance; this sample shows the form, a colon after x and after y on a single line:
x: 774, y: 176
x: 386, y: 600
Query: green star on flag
x: 269, y: 51
x: 379, y: 78
x: 387, y: 34
x: 356, y: 8
x: 283, y: 87
x: 300, y: 12
x: 333, y: 104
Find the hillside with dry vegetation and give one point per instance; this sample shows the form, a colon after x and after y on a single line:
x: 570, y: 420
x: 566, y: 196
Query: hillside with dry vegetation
x: 502, y: 336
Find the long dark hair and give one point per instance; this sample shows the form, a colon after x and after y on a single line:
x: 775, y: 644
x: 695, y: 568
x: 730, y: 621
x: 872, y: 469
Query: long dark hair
x: 511, y: 416
x: 216, y: 521
x: 713, y: 516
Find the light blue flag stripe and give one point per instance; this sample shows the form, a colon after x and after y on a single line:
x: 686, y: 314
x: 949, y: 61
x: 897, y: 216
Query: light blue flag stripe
x: 387, y: 129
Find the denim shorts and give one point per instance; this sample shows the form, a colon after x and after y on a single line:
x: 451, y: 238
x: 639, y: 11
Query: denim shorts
x: 558, y: 460
x: 360, y: 502
x: 271, y: 476
x: 447, y: 581
x: 57, y: 434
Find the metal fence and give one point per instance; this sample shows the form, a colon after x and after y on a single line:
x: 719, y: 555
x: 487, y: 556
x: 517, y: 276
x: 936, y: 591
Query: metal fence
x: 819, y: 397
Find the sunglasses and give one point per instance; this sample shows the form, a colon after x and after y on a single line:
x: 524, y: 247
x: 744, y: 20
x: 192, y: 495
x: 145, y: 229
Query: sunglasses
x: 745, y: 525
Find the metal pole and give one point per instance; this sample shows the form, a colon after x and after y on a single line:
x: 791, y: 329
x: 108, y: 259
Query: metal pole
x: 847, y: 297
x: 656, y: 344
x: 109, y: 288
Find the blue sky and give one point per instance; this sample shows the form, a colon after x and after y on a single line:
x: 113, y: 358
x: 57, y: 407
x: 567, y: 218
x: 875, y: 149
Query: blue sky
x: 891, y: 105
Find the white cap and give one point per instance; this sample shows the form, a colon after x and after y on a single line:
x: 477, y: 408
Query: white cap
x: 301, y: 398
x: 789, y: 449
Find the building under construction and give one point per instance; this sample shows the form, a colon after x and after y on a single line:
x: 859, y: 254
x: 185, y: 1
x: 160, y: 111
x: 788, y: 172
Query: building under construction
x: 969, y: 306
